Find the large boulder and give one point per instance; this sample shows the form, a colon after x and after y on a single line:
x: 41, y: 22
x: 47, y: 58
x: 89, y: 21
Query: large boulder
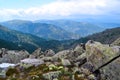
x: 49, y: 53
x: 111, y: 71
x: 80, y: 48
x: 12, y: 56
x: 37, y: 53
x: 65, y: 62
x: 99, y: 54
x: 34, y: 62
x: 80, y: 60
x: 61, y: 55
x: 71, y: 54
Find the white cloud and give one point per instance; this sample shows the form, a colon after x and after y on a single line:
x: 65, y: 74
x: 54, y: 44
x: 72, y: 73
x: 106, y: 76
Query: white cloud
x: 63, y: 8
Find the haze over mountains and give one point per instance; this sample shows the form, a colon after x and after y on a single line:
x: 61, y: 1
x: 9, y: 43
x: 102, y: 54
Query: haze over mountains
x: 47, y: 31
x: 81, y: 28
x: 54, y: 29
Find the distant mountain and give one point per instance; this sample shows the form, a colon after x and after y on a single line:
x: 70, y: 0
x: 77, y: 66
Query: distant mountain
x: 81, y: 28
x: 44, y: 30
x: 12, y: 39
x: 108, y: 25
x: 107, y: 37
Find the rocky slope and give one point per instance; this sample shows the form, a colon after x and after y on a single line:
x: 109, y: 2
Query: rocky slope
x: 92, y: 61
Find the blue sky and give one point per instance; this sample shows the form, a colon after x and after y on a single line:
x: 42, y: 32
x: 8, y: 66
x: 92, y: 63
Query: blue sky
x: 99, y: 10
x: 14, y: 4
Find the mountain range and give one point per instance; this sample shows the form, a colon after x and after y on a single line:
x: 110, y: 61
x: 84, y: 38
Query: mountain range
x: 81, y: 28
x: 54, y: 29
x: 44, y: 30
x: 13, y: 39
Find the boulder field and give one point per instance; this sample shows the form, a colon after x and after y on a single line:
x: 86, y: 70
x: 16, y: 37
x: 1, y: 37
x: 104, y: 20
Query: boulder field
x: 90, y: 61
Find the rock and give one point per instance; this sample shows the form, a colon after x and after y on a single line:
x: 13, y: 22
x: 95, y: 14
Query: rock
x: 65, y: 62
x: 60, y: 55
x: 34, y: 62
x: 80, y: 60
x: 68, y: 54
x: 32, y: 57
x: 79, y: 48
x: 99, y: 54
x: 12, y: 56
x: 47, y: 59
x: 49, y: 53
x: 88, y: 66
x: 37, y: 52
x: 111, y: 71
x: 52, y: 75
x: 73, y: 55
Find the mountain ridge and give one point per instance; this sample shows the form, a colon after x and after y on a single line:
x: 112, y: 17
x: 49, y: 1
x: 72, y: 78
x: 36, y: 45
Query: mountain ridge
x: 44, y: 30
x: 81, y: 28
x: 26, y: 41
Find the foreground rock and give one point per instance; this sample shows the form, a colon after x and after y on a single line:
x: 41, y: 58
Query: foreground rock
x: 111, y: 71
x: 99, y: 54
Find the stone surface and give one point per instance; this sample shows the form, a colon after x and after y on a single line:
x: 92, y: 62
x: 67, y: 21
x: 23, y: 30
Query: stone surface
x: 35, y: 62
x: 61, y: 54
x: 12, y: 56
x: 99, y: 54
x: 80, y: 60
x: 49, y: 53
x: 69, y: 54
x: 37, y: 52
x: 111, y: 71
x: 65, y: 62
x: 52, y: 75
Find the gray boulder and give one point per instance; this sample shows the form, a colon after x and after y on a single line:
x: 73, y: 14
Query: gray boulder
x: 52, y: 75
x: 65, y: 62
x: 49, y: 53
x: 37, y: 52
x: 12, y: 56
x: 99, y: 54
x: 111, y: 71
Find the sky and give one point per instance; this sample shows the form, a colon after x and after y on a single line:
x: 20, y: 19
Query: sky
x: 96, y: 10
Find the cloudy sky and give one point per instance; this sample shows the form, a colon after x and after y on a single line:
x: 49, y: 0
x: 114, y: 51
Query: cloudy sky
x: 100, y: 10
